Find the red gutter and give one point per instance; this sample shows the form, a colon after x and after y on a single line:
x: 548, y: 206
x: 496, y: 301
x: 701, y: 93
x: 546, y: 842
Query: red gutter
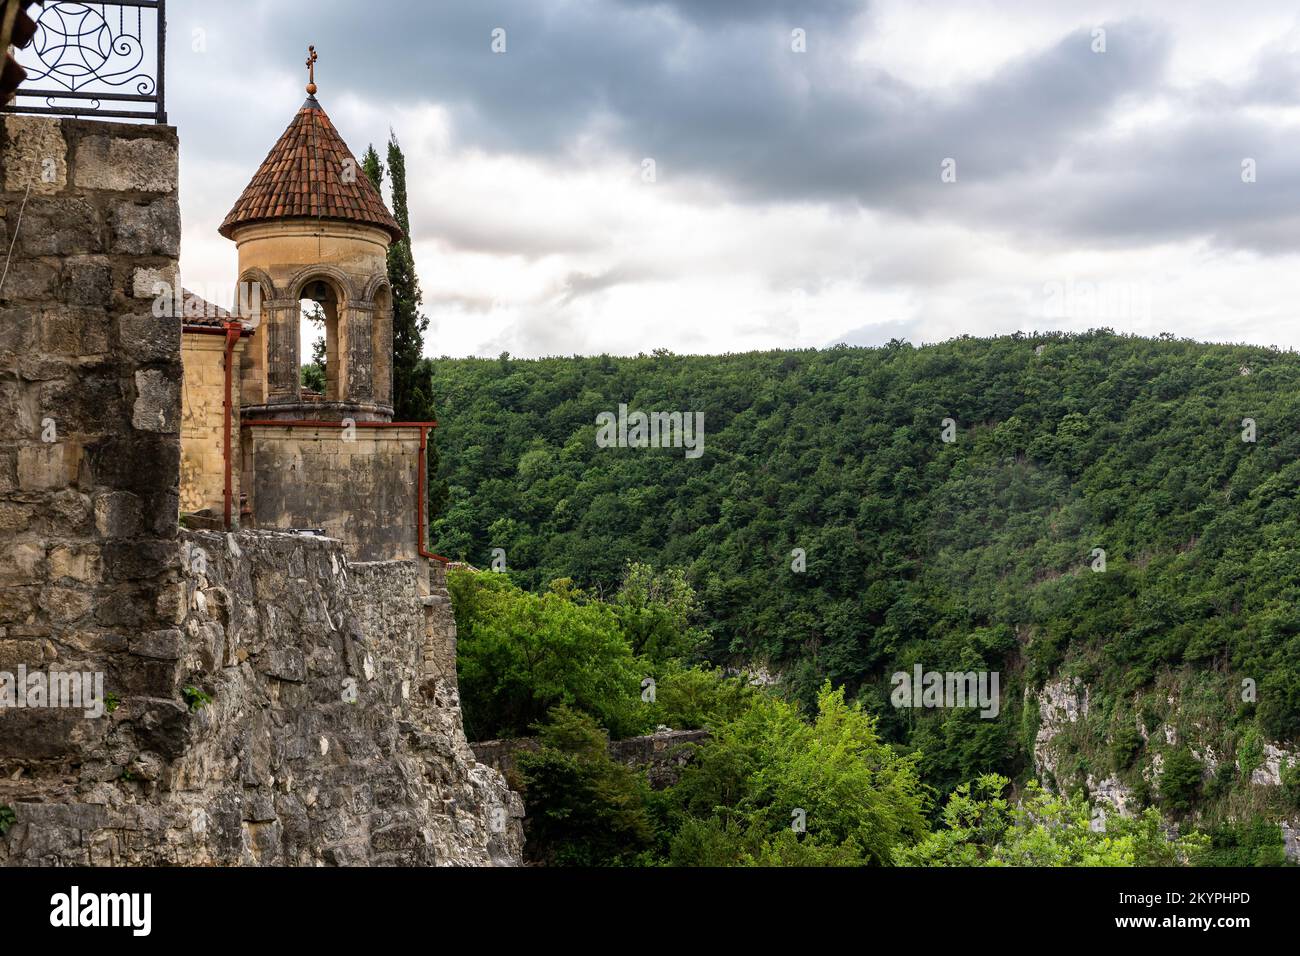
x: 317, y: 423
x: 234, y: 330
x: 421, y: 490
x: 213, y: 330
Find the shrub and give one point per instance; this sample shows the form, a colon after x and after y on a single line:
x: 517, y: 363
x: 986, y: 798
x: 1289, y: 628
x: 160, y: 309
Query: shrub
x: 1180, y: 779
x: 584, y: 809
x: 520, y: 655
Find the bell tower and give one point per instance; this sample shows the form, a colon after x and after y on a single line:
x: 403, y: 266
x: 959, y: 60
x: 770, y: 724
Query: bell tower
x: 311, y: 228
x: 313, y: 235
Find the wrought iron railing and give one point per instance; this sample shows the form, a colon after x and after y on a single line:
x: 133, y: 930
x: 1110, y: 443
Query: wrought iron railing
x: 96, y: 60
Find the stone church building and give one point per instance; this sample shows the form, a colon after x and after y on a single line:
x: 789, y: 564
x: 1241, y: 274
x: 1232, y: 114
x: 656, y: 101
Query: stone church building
x: 260, y: 450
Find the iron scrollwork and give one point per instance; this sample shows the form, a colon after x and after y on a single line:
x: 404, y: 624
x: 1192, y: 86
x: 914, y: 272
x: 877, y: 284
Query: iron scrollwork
x: 87, y: 57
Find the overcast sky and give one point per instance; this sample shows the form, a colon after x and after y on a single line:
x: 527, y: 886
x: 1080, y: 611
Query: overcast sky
x: 797, y: 198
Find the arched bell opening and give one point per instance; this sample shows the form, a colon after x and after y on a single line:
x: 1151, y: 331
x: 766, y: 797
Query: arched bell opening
x: 324, y: 367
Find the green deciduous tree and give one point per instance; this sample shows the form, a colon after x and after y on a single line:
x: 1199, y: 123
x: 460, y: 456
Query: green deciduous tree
x: 521, y: 654
x: 769, y: 772
x: 983, y: 828
x: 1180, y: 779
x: 584, y: 809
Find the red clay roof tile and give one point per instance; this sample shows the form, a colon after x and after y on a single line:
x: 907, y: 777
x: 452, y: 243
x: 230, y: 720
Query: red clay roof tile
x: 304, y: 177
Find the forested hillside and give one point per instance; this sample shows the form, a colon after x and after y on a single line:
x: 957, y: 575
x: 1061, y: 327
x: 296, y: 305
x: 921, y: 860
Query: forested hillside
x: 976, y: 553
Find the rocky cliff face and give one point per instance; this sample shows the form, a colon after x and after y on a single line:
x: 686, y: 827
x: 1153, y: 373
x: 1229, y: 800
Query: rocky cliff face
x: 1069, y: 737
x: 306, y: 715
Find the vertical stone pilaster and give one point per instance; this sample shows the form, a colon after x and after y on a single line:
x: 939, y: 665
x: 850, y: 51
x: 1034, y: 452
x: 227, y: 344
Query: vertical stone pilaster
x: 382, y: 350
x: 439, y: 652
x: 360, y: 385
x: 283, y: 373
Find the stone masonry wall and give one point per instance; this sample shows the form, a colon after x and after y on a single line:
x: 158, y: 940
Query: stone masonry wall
x: 325, y: 738
x: 357, y: 485
x: 661, y: 755
x: 89, y: 419
x: 203, y: 424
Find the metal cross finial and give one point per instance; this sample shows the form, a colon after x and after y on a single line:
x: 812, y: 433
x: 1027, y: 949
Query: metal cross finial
x: 311, y: 70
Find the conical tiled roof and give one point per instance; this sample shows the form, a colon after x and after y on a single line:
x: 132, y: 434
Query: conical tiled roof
x: 311, y: 174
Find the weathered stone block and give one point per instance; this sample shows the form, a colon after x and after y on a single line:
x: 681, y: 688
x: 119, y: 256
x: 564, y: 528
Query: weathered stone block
x: 65, y: 605
x: 8, y: 470
x: 64, y: 226
x: 17, y: 329
x: 117, y: 514
x: 116, y: 163
x: 87, y: 281
x: 158, y: 402
x: 77, y: 563
x: 32, y: 280
x: 156, y: 283
x: 15, y: 517
x: 12, y: 411
x: 285, y: 663
x: 171, y: 604
x: 151, y: 338
x: 39, y: 368
x: 18, y: 603
x: 70, y: 510
x: 47, y: 467
x: 146, y: 229
x: 164, y: 726
x: 20, y: 563
x: 71, y: 331
x: 35, y: 155
x: 94, y: 404
x: 160, y: 645
x: 96, y: 642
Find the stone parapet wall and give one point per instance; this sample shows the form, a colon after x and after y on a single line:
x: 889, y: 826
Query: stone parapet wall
x: 304, y: 728
x: 660, y: 755
x: 358, y: 484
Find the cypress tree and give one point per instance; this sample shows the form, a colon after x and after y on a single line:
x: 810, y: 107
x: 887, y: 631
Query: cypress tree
x: 412, y: 373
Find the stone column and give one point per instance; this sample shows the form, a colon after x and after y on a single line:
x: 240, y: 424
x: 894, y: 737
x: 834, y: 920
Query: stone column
x: 283, y: 377
x: 382, y: 350
x: 360, y: 383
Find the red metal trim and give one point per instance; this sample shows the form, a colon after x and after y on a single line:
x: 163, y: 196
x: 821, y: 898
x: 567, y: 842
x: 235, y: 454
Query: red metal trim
x: 213, y: 330
x: 312, y: 423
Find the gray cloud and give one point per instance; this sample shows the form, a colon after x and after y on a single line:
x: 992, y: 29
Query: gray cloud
x: 578, y: 285
x: 793, y: 12
x: 712, y: 91
x: 723, y: 97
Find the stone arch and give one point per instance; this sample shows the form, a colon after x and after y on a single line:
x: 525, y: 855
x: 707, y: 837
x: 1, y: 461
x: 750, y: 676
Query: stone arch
x: 248, y: 307
x: 343, y: 284
x: 332, y: 291
x: 373, y: 287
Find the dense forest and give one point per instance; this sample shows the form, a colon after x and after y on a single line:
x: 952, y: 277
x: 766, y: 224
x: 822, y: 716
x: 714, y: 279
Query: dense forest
x: 1119, y: 510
